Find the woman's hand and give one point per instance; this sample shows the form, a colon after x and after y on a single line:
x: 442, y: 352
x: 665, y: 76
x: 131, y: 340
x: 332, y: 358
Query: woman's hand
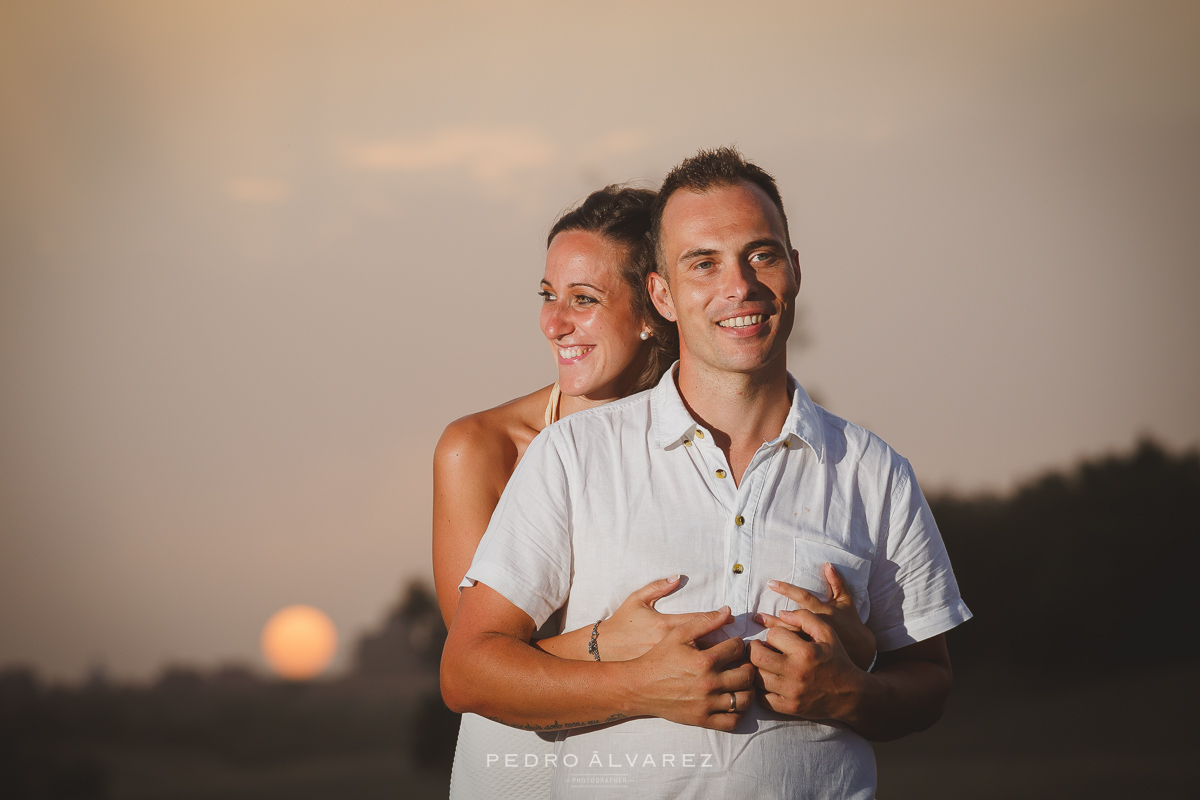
x: 839, y: 613
x: 636, y: 626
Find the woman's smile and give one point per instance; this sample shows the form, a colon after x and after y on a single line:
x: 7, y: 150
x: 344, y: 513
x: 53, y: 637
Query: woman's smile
x: 574, y: 353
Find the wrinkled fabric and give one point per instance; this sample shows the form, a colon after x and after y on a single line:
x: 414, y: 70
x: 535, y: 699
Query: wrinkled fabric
x: 611, y: 498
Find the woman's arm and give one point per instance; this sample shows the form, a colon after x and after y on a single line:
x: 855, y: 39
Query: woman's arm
x: 471, y: 465
x: 636, y: 626
x: 630, y: 632
x: 489, y: 668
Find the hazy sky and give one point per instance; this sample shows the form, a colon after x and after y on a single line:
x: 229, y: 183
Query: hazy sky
x: 255, y: 255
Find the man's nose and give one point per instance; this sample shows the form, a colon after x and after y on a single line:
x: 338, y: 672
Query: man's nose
x: 740, y: 281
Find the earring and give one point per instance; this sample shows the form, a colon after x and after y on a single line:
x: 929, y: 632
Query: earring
x: 644, y: 335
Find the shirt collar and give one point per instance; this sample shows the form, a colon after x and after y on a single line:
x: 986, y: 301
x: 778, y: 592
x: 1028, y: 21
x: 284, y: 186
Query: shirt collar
x: 670, y: 420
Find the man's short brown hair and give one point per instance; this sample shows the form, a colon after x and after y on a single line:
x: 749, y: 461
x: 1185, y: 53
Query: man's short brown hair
x: 709, y: 169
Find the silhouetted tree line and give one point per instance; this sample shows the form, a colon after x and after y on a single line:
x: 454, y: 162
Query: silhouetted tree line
x: 1085, y: 571
x: 410, y: 640
x: 51, y: 736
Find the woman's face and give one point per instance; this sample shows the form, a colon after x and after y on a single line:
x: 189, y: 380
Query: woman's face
x: 587, y: 314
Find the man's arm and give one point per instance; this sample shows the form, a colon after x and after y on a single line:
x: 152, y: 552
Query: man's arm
x: 817, y: 680
x: 489, y: 668
x: 906, y: 693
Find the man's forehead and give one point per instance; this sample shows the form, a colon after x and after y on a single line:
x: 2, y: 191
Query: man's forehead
x: 719, y: 215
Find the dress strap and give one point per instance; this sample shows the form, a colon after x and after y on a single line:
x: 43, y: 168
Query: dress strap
x: 552, y: 406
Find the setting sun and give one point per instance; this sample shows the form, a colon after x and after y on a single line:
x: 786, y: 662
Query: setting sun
x: 299, y: 642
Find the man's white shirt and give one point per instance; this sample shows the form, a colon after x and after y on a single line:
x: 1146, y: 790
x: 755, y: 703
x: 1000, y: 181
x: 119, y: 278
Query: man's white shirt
x: 611, y: 498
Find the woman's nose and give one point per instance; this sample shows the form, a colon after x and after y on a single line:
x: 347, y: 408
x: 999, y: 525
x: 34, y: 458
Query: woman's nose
x: 555, y: 321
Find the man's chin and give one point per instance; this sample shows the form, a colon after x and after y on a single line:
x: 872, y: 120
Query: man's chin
x: 744, y: 364
x: 749, y: 356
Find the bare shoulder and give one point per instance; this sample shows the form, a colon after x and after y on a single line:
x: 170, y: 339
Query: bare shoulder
x: 486, y: 446
x: 472, y: 463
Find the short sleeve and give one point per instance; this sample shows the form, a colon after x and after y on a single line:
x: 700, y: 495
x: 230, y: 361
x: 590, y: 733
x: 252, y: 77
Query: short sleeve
x: 914, y: 595
x: 525, y: 554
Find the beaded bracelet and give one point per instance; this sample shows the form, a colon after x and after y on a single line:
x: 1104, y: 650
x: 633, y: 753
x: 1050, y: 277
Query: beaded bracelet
x: 594, y: 648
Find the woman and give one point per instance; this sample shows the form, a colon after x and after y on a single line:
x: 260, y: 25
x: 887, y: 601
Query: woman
x: 609, y: 342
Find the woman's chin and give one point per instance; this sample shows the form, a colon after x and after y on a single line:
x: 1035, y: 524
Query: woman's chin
x: 594, y: 387
x: 592, y: 391
x: 573, y: 386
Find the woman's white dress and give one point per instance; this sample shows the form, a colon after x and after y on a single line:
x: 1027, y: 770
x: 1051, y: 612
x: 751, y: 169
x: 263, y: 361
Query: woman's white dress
x: 496, y: 761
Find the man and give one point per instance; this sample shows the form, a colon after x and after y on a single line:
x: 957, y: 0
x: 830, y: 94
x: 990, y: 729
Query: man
x: 729, y: 475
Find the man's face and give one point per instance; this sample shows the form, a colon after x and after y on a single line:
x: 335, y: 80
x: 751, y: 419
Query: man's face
x: 733, y: 279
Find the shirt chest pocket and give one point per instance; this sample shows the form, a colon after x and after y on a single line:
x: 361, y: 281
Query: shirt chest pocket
x: 808, y: 563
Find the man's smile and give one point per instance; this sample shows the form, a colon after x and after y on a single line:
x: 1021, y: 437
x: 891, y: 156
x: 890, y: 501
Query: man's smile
x: 742, y: 322
x: 746, y: 323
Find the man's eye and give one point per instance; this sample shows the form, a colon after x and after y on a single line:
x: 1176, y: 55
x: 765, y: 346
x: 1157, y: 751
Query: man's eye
x: 763, y: 258
x: 546, y: 296
x: 703, y: 265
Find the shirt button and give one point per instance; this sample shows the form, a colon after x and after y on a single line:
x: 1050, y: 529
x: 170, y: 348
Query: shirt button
x: 687, y: 442
x: 699, y: 434
x: 720, y: 473
x: 739, y: 520
x: 737, y: 569
x: 786, y: 443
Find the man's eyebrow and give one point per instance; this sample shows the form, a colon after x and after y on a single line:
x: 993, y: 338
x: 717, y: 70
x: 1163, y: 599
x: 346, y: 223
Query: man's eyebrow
x: 695, y: 252
x: 769, y: 242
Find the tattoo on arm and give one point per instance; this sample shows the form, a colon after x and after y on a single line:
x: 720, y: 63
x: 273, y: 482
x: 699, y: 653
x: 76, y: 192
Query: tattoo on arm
x: 557, y: 726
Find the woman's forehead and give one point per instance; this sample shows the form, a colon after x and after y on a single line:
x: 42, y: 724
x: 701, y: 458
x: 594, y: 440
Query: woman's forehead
x: 584, y: 257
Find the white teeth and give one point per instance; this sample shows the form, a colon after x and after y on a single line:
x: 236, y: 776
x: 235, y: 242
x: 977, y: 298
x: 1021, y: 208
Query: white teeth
x: 572, y: 352
x: 742, y: 322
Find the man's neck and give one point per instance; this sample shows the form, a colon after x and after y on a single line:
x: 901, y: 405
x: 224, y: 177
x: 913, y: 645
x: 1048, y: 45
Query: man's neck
x: 741, y: 410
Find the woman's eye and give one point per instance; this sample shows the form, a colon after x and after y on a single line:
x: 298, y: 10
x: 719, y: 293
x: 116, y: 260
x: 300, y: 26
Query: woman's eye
x: 546, y: 296
x: 585, y: 300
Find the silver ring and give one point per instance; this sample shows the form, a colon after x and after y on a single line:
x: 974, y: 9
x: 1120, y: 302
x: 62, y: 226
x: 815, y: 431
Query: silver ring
x: 732, y: 703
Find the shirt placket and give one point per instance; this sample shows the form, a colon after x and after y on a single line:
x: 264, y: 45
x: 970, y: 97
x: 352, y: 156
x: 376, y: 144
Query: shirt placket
x: 740, y: 503
x: 744, y: 524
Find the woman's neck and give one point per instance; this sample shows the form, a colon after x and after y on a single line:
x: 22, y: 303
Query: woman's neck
x: 569, y: 405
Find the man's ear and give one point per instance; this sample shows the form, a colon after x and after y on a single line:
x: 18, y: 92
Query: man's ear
x: 796, y: 265
x: 660, y: 295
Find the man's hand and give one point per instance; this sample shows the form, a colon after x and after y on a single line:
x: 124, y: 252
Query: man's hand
x: 676, y: 680
x: 811, y: 679
x: 839, y: 613
x: 489, y: 668
x: 636, y: 627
